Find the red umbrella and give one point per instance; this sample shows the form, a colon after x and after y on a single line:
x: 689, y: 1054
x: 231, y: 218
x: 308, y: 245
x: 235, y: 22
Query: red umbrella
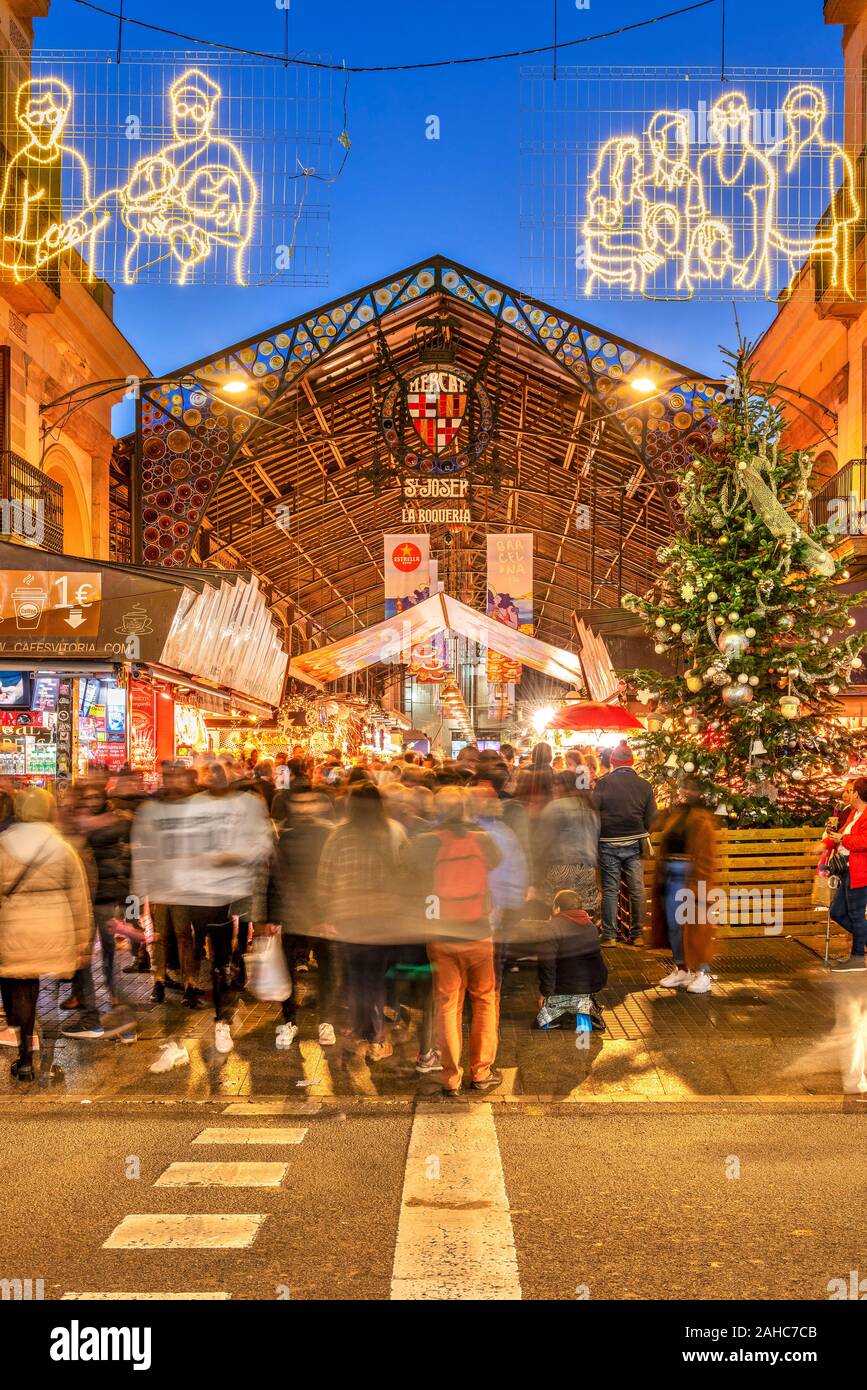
x: 591, y: 715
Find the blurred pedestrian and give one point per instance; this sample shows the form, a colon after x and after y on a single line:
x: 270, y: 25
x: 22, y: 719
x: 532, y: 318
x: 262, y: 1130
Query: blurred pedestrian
x: 850, y: 900
x: 684, y: 871
x: 106, y: 832
x: 449, y: 868
x: 46, y: 926
x: 294, y: 906
x: 358, y: 890
x: 566, y: 845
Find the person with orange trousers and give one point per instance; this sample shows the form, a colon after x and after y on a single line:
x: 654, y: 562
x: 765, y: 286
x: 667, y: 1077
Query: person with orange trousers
x: 449, y: 866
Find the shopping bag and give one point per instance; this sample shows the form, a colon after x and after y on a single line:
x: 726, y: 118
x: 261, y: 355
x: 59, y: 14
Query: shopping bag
x: 822, y: 891
x: 267, y: 973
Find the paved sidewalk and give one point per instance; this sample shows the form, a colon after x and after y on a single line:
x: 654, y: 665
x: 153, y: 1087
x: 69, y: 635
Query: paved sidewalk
x: 776, y: 1025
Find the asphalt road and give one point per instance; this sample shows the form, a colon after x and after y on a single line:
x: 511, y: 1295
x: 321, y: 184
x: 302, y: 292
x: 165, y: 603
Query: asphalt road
x: 636, y: 1206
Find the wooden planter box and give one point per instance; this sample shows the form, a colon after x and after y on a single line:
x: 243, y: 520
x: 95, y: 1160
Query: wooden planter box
x: 751, y: 863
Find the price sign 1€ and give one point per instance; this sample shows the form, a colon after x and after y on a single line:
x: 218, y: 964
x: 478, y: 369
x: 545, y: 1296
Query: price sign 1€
x: 50, y: 603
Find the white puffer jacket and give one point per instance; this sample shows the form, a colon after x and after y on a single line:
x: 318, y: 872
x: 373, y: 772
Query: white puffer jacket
x: 46, y: 924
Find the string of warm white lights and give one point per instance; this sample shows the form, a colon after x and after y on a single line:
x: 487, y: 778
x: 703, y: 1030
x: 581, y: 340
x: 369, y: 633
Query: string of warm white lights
x: 399, y: 67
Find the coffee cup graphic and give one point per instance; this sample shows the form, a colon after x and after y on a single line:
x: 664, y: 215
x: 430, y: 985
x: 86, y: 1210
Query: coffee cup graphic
x: 29, y: 604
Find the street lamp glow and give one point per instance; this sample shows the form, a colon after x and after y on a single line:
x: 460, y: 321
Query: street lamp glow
x: 542, y: 719
x: 644, y: 385
x: 235, y: 386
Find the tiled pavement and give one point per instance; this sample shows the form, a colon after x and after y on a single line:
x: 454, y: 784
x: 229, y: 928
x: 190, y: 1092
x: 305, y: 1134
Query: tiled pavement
x: 776, y: 1025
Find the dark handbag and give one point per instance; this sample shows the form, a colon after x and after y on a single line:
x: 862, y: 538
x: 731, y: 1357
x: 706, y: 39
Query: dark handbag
x: 836, y: 864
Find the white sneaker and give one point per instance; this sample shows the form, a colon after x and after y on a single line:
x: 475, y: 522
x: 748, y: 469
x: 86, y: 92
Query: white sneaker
x: 699, y: 984
x: 326, y: 1035
x: 170, y: 1056
x: 678, y: 977
x: 223, y: 1037
x: 428, y: 1061
x: 286, y: 1035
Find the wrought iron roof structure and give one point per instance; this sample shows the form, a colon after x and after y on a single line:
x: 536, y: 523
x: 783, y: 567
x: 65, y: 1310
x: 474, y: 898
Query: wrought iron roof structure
x: 277, y: 477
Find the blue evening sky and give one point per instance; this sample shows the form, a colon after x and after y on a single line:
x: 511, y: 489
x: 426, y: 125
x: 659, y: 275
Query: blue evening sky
x: 403, y: 196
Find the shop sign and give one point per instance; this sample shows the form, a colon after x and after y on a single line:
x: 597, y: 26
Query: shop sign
x: 427, y: 501
x: 21, y: 718
x: 50, y: 603
x: 142, y: 722
x: 81, y: 611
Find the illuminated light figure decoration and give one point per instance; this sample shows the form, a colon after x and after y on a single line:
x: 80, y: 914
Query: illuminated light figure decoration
x: 665, y: 215
x: 734, y: 172
x: 673, y: 209
x: 806, y: 159
x: 192, y: 196
x: 615, y: 227
x: 34, y: 231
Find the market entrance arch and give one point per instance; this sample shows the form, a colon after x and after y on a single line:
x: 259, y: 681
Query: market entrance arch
x: 274, y: 454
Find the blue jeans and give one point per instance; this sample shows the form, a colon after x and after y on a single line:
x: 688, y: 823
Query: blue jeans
x: 676, y: 875
x: 848, y: 908
x: 614, y: 861
x: 83, y: 983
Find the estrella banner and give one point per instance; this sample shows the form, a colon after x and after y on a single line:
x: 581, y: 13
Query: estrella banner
x: 510, y: 595
x: 407, y: 572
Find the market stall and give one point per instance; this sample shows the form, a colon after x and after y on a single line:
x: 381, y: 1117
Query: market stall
x: 112, y: 664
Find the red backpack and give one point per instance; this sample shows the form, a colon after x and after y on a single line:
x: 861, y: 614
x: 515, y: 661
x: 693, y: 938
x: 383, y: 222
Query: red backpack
x: 460, y: 879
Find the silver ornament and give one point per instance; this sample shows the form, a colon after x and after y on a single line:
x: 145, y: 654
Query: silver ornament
x: 736, y: 695
x: 732, y: 642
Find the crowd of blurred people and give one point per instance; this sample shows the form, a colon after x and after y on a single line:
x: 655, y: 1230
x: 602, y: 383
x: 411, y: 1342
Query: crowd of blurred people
x: 404, y: 885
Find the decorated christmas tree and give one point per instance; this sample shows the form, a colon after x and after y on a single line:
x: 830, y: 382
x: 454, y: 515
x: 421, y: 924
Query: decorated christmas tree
x: 749, y: 610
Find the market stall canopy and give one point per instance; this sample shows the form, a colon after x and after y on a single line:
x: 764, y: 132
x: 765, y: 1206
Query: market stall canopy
x: 212, y: 626
x: 392, y: 641
x: 592, y: 716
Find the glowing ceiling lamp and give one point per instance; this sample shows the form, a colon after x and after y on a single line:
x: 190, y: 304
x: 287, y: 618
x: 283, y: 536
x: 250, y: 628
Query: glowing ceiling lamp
x: 542, y: 718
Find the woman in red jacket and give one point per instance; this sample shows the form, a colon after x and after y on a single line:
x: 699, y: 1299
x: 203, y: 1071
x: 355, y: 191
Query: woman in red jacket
x: 850, y: 901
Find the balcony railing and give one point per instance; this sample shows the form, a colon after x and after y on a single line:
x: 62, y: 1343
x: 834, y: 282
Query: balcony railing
x: 31, y: 505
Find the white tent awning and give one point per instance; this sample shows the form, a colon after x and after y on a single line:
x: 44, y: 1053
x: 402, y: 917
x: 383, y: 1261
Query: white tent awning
x: 392, y: 641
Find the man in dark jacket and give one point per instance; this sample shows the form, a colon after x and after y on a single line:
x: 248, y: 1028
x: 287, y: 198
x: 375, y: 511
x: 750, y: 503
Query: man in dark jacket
x: 626, y: 811
x: 105, y: 833
x: 571, y: 967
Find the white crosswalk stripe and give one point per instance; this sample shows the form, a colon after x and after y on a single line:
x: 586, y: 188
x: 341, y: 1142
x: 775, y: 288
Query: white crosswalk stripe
x: 117, y: 1296
x: 261, y: 1134
x: 223, y: 1175
x: 158, y: 1231
x: 454, y: 1239
x: 240, y: 1108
